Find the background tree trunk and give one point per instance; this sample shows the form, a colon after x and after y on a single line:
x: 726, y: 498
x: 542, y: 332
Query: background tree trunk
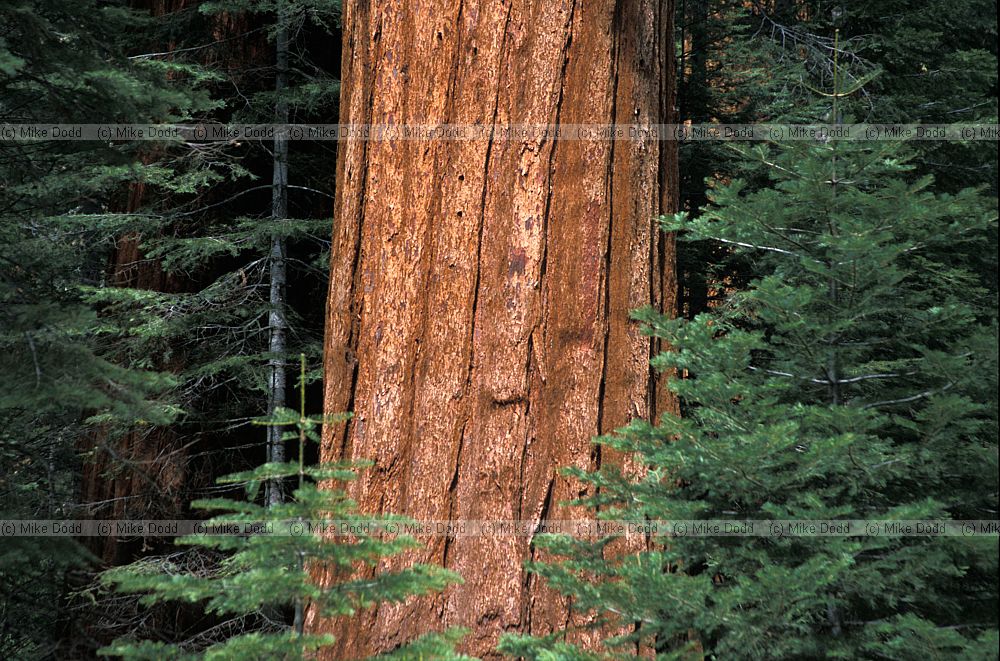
x: 479, y: 293
x: 277, y: 264
x: 141, y: 474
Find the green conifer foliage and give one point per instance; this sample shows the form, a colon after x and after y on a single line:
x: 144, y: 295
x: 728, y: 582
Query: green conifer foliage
x: 853, y: 379
x: 272, y: 571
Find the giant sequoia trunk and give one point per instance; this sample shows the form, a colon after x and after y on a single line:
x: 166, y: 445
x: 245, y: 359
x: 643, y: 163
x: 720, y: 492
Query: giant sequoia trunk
x: 478, y: 317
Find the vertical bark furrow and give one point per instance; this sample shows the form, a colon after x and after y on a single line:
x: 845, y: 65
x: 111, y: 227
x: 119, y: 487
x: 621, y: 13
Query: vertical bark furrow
x: 609, y: 177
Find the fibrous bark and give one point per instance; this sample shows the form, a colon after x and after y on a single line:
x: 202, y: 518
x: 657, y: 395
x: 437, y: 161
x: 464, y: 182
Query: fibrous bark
x: 478, y: 316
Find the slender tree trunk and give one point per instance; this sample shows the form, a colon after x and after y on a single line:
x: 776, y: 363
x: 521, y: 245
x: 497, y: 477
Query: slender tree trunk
x: 277, y: 319
x: 478, y: 317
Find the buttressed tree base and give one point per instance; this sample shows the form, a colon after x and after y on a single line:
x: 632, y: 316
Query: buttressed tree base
x: 478, y: 318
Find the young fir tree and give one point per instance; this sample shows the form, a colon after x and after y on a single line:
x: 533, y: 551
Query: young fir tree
x: 271, y: 572
x: 855, y: 378
x: 745, y: 62
x: 939, y: 59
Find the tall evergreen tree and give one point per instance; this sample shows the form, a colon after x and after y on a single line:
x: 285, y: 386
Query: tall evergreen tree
x: 299, y: 87
x: 186, y: 292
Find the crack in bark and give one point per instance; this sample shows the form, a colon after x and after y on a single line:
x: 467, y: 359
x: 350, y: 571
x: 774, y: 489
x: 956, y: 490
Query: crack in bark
x: 660, y: 241
x: 479, y: 267
x: 610, y: 177
x: 529, y: 578
x: 529, y: 583
x: 452, y: 486
x: 527, y: 427
x: 543, y: 262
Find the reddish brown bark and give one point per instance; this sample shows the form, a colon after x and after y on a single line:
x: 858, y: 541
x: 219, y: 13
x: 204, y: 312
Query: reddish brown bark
x: 141, y: 474
x: 479, y: 297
